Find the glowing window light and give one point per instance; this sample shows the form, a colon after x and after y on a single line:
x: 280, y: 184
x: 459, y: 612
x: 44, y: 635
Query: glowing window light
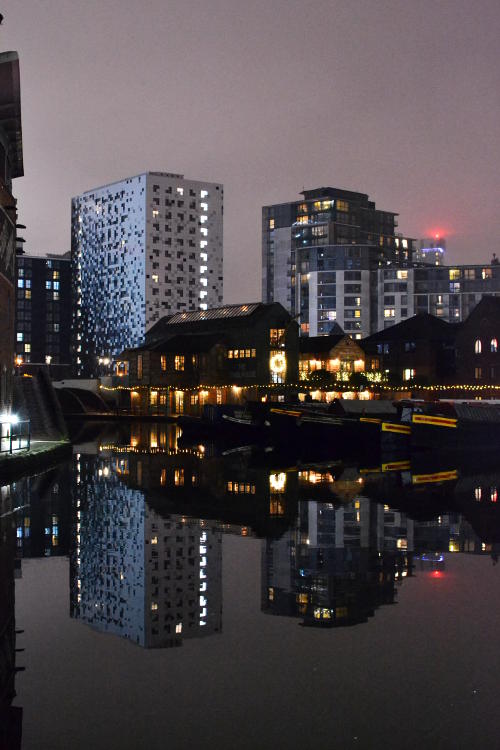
x: 277, y: 482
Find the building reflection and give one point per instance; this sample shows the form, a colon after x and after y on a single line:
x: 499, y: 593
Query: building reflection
x: 155, y: 579
x: 43, y: 513
x: 10, y: 716
x: 338, y: 564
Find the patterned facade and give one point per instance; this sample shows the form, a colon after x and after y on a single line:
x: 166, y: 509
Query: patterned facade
x: 142, y: 248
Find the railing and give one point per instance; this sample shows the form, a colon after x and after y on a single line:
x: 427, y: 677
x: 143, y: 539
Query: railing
x: 15, y: 436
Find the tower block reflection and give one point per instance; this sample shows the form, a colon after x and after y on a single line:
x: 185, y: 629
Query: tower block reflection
x: 153, y: 579
x: 339, y: 563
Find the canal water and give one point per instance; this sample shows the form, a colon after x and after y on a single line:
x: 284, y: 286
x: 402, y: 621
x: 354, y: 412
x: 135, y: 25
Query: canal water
x: 159, y: 593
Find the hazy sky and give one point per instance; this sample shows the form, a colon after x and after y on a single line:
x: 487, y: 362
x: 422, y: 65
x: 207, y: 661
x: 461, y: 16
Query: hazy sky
x: 396, y: 99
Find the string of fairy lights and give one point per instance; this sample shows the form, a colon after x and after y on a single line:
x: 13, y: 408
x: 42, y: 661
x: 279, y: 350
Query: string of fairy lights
x: 305, y: 386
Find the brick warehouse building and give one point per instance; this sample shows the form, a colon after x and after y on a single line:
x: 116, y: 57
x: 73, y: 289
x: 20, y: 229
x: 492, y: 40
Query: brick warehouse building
x: 225, y: 355
x: 11, y: 166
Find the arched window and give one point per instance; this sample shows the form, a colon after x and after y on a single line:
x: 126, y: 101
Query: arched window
x: 477, y: 346
x: 494, y: 345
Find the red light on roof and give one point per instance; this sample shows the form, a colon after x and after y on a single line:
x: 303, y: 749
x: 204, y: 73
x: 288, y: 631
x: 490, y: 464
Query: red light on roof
x: 437, y: 574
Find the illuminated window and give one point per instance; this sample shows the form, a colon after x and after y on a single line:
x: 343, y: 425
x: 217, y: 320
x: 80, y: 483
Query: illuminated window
x: 454, y: 274
x: 20, y: 336
x: 402, y: 274
x: 179, y: 362
x: 408, y: 373
x: 153, y: 398
x: 478, y: 373
x: 342, y: 206
x: 357, y: 313
x: 55, y: 274
x: 27, y: 347
x: 271, y: 223
x: 155, y: 278
x: 486, y: 273
x: 302, y: 208
x: 139, y: 366
x: 179, y: 477
x: 28, y: 294
x: 494, y: 345
x: 163, y: 362
x: 477, y: 346
x: 389, y: 312
x: 276, y: 336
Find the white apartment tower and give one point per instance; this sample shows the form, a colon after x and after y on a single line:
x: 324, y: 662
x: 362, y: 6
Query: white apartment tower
x: 141, y: 248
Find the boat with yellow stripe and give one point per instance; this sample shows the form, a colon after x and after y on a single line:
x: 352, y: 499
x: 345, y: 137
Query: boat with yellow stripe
x: 453, y: 425
x: 345, y: 435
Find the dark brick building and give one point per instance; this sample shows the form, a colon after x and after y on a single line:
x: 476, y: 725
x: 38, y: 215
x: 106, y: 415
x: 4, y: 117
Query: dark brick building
x: 421, y: 349
x: 11, y: 166
x: 477, y: 344
x: 221, y: 356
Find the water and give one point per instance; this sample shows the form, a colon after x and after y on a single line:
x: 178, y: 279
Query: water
x: 171, y: 596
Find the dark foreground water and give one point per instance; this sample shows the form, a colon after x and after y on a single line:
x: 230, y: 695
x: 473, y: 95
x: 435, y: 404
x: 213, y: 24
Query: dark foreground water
x: 174, y: 597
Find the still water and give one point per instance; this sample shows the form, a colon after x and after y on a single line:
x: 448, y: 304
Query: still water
x: 193, y: 596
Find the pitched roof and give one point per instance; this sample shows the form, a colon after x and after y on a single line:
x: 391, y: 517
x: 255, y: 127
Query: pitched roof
x: 315, y: 344
x: 215, y: 320
x: 420, y: 326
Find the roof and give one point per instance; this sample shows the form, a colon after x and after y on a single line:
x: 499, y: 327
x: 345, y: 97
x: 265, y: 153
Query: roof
x: 315, y: 344
x: 188, y: 343
x: 10, y: 109
x: 420, y: 326
x: 216, y: 320
x: 228, y: 311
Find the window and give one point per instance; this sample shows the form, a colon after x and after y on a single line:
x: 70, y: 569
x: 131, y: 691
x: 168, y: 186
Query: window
x: 139, y: 366
x: 20, y: 336
x: 478, y: 373
x: 276, y: 336
x: 408, y: 373
x: 402, y: 274
x: 410, y: 346
x: 470, y: 274
x: 454, y: 274
x: 477, y: 346
x: 271, y: 223
x: 179, y: 362
x: 27, y: 347
x: 389, y: 312
x: 28, y: 294
x: 493, y: 345
x: 163, y: 362
x: 486, y: 273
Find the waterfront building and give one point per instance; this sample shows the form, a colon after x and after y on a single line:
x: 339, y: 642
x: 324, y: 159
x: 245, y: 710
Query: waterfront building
x: 477, y: 344
x: 43, y: 313
x: 337, y: 354
x: 223, y: 355
x: 11, y: 166
x: 150, y: 578
x: 141, y: 248
x: 421, y: 348
x: 319, y: 255
x: 448, y: 292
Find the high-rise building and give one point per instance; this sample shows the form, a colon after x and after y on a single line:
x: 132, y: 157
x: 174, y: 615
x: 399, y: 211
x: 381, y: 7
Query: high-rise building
x: 319, y: 255
x: 448, y: 292
x: 141, y: 248
x: 43, y: 312
x: 11, y: 165
x: 431, y: 251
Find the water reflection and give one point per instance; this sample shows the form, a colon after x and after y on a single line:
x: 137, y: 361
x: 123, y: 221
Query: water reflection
x: 153, y: 579
x: 142, y: 515
x: 10, y: 716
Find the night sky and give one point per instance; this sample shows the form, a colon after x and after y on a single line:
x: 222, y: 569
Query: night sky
x: 396, y: 99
